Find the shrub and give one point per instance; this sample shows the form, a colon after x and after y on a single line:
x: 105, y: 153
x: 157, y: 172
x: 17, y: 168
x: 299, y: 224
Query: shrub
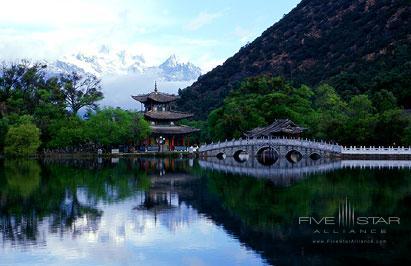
x: 22, y: 139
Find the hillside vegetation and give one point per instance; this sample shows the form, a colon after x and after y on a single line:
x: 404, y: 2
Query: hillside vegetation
x: 356, y: 46
x: 361, y: 120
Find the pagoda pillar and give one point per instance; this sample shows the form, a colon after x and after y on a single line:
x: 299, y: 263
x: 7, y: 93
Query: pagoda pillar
x: 172, y: 143
x: 183, y: 142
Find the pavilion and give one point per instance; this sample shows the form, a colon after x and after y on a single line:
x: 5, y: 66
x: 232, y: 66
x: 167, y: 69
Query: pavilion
x: 279, y: 128
x: 164, y: 122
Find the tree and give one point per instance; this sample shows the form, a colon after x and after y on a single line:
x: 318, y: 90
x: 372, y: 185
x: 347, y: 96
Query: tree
x: 362, y: 119
x: 257, y: 102
x: 361, y: 124
x: 326, y: 98
x: 19, y: 84
x: 68, y: 132
x: 330, y: 115
x: 114, y: 126
x: 384, y: 100
x: 391, y: 126
x: 4, y: 124
x: 81, y: 91
x: 406, y: 138
x: 22, y: 139
x: 140, y: 128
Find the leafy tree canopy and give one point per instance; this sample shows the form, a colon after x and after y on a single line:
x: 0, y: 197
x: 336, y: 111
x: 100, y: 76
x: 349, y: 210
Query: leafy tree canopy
x: 22, y: 139
x: 362, y: 119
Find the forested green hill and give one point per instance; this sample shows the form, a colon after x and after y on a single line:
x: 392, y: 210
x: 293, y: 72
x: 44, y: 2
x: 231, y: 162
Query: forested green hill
x: 356, y: 46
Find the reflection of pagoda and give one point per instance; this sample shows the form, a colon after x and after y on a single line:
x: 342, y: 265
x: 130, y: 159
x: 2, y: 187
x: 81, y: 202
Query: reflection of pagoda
x: 163, y: 120
x: 162, y: 198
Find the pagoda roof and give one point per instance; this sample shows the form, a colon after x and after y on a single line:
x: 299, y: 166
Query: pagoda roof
x: 173, y: 130
x: 279, y: 126
x: 166, y: 115
x: 155, y: 96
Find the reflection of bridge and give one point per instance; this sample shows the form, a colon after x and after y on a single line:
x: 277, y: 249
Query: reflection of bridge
x: 285, y: 173
x: 282, y: 173
x: 376, y: 164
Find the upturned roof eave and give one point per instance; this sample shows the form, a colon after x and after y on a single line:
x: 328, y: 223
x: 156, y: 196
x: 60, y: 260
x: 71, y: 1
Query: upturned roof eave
x: 155, y: 97
x: 173, y: 130
x: 169, y: 115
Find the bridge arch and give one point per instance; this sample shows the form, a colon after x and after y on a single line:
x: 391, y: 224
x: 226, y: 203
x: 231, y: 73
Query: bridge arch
x: 282, y: 146
x: 267, y: 155
x: 315, y: 156
x: 241, y: 156
x: 294, y: 156
x: 221, y: 155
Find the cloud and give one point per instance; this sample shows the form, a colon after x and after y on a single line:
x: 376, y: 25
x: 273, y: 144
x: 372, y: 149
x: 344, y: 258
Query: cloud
x: 245, y: 35
x: 55, y: 13
x: 207, y: 62
x: 201, y: 20
x: 50, y: 29
x: 118, y: 90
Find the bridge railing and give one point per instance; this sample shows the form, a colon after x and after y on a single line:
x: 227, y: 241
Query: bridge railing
x: 376, y: 150
x: 306, y: 143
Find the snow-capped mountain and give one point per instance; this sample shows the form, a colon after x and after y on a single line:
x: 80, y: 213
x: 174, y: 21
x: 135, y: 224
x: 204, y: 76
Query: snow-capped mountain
x: 175, y: 70
x: 109, y: 62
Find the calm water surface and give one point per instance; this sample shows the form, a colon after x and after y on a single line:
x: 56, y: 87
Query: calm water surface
x: 188, y: 212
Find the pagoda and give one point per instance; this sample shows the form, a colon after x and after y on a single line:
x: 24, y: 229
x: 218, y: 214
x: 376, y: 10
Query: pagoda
x: 165, y: 129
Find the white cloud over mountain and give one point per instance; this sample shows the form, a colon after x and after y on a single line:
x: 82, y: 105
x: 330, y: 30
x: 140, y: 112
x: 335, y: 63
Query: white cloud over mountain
x: 124, y: 73
x: 111, y: 62
x: 140, y: 35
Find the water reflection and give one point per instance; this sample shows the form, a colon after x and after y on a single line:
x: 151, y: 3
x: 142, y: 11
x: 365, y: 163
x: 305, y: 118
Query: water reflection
x: 214, y: 212
x: 94, y: 212
x: 285, y: 172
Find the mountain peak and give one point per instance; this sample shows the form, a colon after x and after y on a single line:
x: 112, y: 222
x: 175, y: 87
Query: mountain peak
x: 171, y: 61
x: 110, y: 62
x: 173, y: 69
x: 104, y: 49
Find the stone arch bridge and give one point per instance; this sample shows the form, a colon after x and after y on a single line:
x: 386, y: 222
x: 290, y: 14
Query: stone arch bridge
x: 281, y: 146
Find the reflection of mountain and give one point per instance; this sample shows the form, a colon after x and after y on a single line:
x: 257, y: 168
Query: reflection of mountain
x: 137, y: 199
x: 264, y: 217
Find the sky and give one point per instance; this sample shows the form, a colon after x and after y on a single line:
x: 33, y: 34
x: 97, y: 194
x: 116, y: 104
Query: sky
x: 205, y: 33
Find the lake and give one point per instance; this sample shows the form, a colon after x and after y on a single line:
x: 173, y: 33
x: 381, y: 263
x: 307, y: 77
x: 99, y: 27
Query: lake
x: 142, y: 211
